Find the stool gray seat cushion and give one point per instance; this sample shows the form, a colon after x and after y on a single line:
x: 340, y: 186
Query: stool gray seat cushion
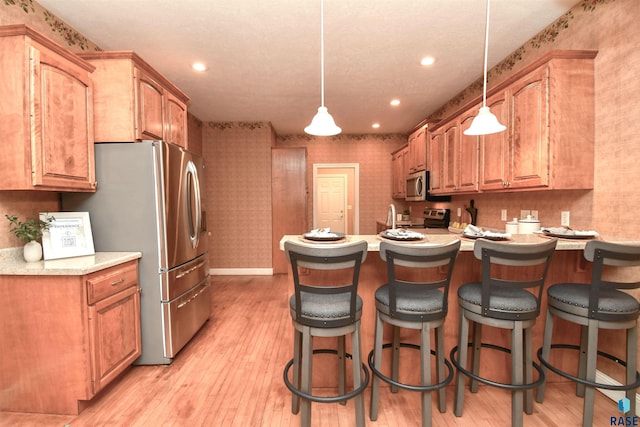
x: 574, y: 298
x: 326, y: 306
x: 409, y: 301
x: 502, y: 299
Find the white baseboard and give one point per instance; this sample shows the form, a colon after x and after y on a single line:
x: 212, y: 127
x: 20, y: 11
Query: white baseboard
x: 614, y: 395
x: 241, y: 271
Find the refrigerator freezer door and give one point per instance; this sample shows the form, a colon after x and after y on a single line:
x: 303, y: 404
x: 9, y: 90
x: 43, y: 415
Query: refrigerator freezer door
x: 184, y: 316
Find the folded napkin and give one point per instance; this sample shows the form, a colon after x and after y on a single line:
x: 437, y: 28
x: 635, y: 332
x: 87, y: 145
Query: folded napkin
x: 569, y: 231
x: 472, y: 230
x: 403, y: 233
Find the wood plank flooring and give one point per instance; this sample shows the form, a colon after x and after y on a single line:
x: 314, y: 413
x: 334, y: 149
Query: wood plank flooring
x: 230, y: 374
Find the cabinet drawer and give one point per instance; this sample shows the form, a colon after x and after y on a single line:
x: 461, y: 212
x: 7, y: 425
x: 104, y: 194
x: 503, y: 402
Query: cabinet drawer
x: 110, y: 281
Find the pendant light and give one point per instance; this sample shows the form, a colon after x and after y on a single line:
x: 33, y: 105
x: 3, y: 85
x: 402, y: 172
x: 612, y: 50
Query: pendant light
x: 485, y: 122
x: 322, y: 123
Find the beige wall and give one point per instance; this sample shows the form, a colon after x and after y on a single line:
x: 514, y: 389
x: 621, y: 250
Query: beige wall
x: 238, y: 197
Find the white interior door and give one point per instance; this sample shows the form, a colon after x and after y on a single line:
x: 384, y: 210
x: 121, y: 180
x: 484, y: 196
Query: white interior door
x: 332, y: 202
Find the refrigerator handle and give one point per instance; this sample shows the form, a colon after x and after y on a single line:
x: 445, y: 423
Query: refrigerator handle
x: 193, y: 198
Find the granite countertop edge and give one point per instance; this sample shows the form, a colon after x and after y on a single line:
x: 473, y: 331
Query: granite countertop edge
x: 12, y: 263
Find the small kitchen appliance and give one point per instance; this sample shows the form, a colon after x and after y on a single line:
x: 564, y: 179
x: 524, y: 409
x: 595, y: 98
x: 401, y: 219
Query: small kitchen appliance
x: 436, y: 218
x: 417, y: 188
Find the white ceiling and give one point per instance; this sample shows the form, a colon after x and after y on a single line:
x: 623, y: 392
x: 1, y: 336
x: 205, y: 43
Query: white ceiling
x: 264, y: 55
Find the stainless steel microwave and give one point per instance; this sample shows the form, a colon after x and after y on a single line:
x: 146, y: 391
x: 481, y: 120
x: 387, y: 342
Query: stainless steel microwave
x: 417, y: 189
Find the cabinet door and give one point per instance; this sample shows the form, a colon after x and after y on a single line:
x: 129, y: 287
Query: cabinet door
x: 114, y: 328
x: 451, y: 157
x: 494, y: 149
x: 61, y: 129
x: 529, y: 131
x: 396, y: 170
x: 176, y: 131
x: 468, y: 149
x: 149, y: 106
x: 418, y: 150
x: 404, y: 171
x: 436, y: 160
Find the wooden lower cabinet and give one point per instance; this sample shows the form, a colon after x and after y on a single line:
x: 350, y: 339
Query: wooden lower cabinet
x: 64, y: 338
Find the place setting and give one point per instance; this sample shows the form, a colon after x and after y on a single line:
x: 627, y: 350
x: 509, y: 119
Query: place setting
x: 323, y: 235
x: 401, y: 235
x: 568, y: 233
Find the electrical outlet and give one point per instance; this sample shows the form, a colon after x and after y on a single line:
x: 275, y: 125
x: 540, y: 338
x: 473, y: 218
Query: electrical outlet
x: 564, y: 219
x: 534, y: 214
x: 524, y: 213
x: 459, y: 212
x: 503, y: 215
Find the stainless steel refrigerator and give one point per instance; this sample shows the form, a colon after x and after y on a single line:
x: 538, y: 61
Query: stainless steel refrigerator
x: 149, y: 200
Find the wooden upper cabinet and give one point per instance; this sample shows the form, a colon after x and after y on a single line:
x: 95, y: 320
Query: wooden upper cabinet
x: 451, y: 154
x: 176, y: 123
x: 47, y: 134
x: 494, y: 148
x: 149, y: 107
x: 399, y: 172
x: 435, y: 163
x: 529, y: 131
x: 418, y: 150
x: 134, y: 102
x: 548, y: 109
x: 468, y: 154
x: 453, y: 157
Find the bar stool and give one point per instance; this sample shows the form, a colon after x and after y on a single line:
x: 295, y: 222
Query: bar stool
x: 594, y: 306
x: 416, y: 304
x: 508, y: 297
x: 327, y: 310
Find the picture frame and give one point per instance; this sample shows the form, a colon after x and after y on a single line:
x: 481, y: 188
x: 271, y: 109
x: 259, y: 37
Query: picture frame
x: 69, y: 235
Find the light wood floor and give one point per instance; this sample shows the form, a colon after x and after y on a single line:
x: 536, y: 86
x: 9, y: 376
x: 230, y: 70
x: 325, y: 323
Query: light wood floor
x: 230, y: 374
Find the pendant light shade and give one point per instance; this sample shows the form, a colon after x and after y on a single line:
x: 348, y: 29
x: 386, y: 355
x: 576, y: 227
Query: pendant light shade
x: 485, y: 122
x: 322, y: 123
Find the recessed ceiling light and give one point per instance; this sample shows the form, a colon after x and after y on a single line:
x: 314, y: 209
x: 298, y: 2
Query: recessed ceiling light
x: 375, y: 125
x: 394, y: 102
x: 427, y: 60
x: 199, y: 66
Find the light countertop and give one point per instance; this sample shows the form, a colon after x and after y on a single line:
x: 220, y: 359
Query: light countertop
x: 440, y: 237
x: 12, y: 263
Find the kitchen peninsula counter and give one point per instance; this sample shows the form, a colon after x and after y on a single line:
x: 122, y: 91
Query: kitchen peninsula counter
x: 567, y: 265
x: 440, y: 236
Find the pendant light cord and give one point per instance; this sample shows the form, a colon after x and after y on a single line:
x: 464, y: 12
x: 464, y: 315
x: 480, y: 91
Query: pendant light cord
x: 322, y: 53
x: 486, y: 51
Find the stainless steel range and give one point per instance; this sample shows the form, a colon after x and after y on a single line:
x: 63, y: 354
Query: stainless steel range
x: 436, y: 218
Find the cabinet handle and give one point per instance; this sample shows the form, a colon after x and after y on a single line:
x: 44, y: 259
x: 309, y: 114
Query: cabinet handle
x: 117, y: 282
